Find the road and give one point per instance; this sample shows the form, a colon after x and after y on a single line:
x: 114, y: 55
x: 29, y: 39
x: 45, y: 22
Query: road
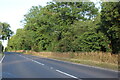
x: 16, y: 65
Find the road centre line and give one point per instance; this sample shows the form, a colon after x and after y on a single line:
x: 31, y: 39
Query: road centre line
x: 66, y: 74
x: 32, y: 60
x: 38, y: 62
x: 52, y: 68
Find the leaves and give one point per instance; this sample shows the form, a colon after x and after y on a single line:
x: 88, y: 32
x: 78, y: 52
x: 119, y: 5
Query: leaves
x: 5, y: 31
x: 110, y: 24
x: 67, y: 26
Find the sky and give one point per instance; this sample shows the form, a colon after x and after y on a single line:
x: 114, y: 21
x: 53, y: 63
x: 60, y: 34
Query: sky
x: 13, y: 11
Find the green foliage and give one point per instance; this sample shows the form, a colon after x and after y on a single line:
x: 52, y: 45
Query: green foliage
x: 110, y: 24
x: 1, y: 47
x: 22, y: 40
x: 5, y: 31
x: 91, y: 41
x: 64, y: 27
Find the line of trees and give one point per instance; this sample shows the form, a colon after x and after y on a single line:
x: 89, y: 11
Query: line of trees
x: 5, y: 33
x: 69, y: 27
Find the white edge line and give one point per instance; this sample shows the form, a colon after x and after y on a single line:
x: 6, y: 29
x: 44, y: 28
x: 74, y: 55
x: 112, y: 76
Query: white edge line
x: 2, y: 58
x: 66, y: 74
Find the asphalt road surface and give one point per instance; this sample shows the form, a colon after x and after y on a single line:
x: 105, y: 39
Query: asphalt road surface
x: 16, y: 65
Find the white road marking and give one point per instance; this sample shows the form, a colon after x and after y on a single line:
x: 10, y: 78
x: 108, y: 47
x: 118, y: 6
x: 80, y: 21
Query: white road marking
x: 66, y: 74
x: 32, y: 60
x: 52, y: 68
x: 38, y: 62
x: 2, y: 58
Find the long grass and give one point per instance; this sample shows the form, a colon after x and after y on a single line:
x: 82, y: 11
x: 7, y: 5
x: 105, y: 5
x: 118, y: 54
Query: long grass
x: 93, y: 56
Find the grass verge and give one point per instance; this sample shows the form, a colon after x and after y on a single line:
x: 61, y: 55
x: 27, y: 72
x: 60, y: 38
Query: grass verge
x: 90, y: 63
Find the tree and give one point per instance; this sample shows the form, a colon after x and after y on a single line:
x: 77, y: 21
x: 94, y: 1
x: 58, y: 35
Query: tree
x: 87, y: 37
x: 68, y: 12
x: 55, y: 27
x: 23, y: 40
x: 5, y: 31
x: 110, y: 24
x: 1, y: 47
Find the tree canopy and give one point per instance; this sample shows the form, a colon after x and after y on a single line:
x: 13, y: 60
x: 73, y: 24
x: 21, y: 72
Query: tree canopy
x: 5, y: 31
x: 69, y: 27
x: 110, y: 24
